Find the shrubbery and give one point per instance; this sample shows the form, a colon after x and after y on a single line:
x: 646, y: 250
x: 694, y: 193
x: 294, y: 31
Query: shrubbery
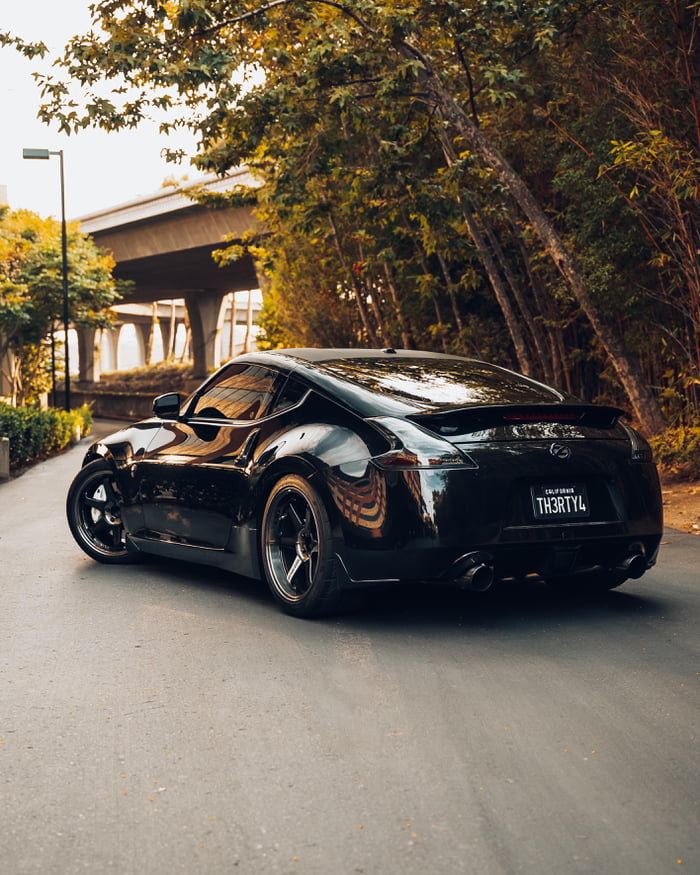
x: 151, y: 379
x: 677, y: 452
x: 34, y: 433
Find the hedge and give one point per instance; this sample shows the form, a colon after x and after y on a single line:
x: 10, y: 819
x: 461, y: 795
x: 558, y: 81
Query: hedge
x: 34, y: 433
x: 677, y: 452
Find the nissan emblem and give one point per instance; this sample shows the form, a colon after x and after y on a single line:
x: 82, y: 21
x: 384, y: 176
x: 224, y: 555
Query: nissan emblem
x: 559, y: 451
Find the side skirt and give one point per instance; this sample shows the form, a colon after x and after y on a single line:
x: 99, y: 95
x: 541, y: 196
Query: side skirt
x: 215, y: 558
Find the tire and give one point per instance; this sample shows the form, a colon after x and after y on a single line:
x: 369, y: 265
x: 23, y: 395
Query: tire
x: 590, y: 582
x: 295, y: 544
x: 93, y: 508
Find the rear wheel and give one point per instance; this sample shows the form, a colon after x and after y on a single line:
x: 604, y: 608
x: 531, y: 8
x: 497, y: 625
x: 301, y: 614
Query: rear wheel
x: 94, y: 515
x: 296, y: 549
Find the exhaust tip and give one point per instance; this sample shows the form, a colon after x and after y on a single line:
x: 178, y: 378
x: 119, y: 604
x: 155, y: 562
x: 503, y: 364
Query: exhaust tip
x: 474, y: 572
x: 479, y: 578
x: 633, y: 566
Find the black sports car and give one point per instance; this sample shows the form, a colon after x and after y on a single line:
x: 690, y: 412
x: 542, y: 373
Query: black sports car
x: 323, y: 470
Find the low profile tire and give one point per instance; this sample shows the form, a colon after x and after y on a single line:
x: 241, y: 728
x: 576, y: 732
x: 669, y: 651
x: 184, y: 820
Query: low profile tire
x: 589, y: 583
x: 296, y: 549
x: 93, y: 508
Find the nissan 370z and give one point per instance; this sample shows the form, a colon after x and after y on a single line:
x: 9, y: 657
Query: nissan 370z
x: 323, y: 471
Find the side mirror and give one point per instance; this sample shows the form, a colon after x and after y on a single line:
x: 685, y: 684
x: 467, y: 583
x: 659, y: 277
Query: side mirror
x: 167, y: 406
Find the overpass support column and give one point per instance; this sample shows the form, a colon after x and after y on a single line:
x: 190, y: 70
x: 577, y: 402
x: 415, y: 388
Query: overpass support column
x: 206, y: 316
x: 88, y: 355
x: 167, y: 336
x: 109, y: 348
x: 143, y: 332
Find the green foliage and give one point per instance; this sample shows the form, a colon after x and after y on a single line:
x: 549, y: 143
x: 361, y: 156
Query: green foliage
x: 376, y: 131
x: 153, y: 379
x: 31, y: 279
x: 36, y: 373
x: 35, y: 433
x: 31, y: 290
x: 677, y: 452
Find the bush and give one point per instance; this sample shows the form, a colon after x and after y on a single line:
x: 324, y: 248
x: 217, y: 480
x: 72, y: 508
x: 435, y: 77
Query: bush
x: 150, y: 380
x: 677, y: 452
x: 35, y: 433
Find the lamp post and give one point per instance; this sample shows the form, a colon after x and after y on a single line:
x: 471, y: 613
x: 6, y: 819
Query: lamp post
x: 44, y: 154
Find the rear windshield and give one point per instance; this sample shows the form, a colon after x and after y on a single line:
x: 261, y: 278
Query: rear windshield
x: 437, y: 383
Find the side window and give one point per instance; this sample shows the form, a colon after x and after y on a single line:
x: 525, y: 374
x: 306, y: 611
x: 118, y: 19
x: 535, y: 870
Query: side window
x: 241, y: 391
x: 292, y: 392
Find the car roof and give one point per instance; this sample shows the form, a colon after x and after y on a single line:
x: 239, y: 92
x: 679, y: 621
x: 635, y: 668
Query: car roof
x: 402, y: 382
x: 328, y: 354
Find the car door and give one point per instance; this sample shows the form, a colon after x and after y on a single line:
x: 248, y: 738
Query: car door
x: 193, y: 479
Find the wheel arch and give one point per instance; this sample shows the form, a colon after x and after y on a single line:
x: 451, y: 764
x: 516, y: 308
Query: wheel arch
x: 312, y: 451
x: 303, y: 467
x: 100, y: 452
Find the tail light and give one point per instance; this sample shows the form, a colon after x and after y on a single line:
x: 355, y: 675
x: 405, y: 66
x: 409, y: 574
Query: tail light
x: 414, y: 447
x: 641, y: 451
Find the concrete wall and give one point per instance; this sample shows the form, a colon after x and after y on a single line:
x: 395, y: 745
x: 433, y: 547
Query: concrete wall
x: 114, y: 405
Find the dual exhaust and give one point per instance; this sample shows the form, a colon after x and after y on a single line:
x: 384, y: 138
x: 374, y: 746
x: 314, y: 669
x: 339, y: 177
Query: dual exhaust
x: 475, y: 571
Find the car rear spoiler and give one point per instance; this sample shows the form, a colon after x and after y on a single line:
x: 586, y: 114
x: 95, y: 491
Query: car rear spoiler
x: 465, y: 420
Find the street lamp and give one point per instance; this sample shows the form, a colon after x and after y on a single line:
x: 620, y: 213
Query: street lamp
x: 43, y: 154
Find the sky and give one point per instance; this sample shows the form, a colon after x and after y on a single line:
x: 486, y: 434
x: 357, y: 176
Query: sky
x: 101, y: 169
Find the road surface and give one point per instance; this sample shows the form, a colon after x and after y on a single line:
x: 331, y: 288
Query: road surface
x: 163, y: 719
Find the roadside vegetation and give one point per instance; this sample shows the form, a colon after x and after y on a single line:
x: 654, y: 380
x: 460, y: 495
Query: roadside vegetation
x: 31, y: 304
x: 31, y: 298
x: 150, y: 380
x: 677, y: 453
x: 35, y: 434
x: 510, y: 180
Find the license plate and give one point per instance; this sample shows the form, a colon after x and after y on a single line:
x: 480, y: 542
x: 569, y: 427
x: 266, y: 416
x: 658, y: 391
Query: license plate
x: 560, y: 502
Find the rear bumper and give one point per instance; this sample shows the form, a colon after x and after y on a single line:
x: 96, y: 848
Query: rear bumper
x: 434, y: 520
x: 546, y: 559
x: 418, y: 524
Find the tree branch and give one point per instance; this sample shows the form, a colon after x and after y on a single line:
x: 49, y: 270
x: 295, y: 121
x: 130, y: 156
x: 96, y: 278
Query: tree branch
x: 261, y: 10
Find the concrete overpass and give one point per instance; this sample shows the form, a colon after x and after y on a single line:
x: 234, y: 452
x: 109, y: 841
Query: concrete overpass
x: 163, y: 244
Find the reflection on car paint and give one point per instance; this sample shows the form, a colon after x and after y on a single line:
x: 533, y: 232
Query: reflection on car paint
x: 406, y: 465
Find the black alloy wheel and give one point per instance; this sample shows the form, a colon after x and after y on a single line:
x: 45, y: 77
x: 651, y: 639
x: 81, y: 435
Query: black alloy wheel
x: 94, y: 515
x: 296, y: 549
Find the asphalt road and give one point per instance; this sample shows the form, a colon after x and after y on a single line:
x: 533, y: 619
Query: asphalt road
x: 164, y: 719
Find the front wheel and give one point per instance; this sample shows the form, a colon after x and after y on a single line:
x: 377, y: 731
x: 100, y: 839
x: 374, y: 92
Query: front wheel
x: 296, y: 549
x: 94, y: 515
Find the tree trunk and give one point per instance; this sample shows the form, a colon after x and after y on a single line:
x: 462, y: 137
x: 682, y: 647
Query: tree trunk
x: 405, y: 339
x: 372, y: 297
x: 450, y: 291
x: 643, y: 401
x: 499, y: 290
x: 528, y: 319
x: 357, y: 287
x: 492, y: 271
x: 436, y: 303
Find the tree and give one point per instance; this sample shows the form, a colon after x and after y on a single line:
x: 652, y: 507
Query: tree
x: 615, y: 150
x: 444, y: 71
x: 31, y: 291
